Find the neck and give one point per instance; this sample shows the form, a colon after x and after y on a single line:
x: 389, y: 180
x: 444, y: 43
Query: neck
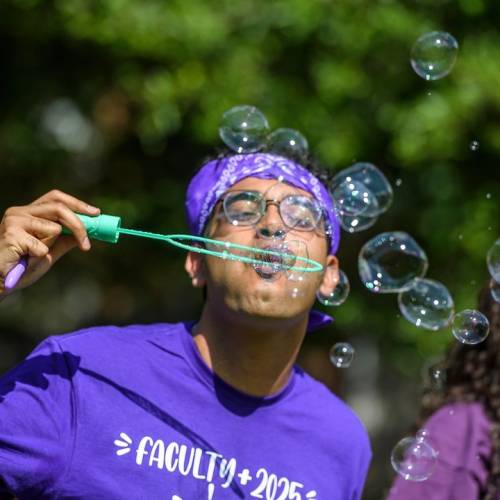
x: 254, y: 357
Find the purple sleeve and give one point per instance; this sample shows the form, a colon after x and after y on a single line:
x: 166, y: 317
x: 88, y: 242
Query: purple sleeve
x: 460, y: 433
x: 36, y: 421
x: 362, y: 473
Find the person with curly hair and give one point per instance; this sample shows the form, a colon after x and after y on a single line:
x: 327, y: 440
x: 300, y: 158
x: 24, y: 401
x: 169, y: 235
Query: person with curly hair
x: 463, y: 421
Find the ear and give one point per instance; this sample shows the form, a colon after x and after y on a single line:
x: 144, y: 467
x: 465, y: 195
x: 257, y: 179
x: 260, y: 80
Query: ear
x: 195, y: 267
x: 330, y: 277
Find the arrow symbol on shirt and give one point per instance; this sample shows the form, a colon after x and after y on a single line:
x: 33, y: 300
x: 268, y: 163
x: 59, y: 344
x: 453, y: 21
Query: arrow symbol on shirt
x: 123, y: 443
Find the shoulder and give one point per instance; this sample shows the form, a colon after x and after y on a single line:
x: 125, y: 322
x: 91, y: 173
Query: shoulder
x: 329, y: 413
x: 99, y: 343
x: 461, y: 434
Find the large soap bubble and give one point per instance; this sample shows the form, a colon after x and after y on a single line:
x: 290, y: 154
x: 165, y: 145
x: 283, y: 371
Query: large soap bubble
x: 244, y: 129
x: 427, y: 304
x: 414, y: 459
x: 470, y: 326
x: 493, y: 260
x: 434, y: 54
x: 288, y: 142
x: 390, y: 261
x: 339, y: 294
x: 375, y: 185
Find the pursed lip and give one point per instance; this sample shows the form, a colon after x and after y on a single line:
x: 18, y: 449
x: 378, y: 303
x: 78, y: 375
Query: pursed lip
x: 272, y: 265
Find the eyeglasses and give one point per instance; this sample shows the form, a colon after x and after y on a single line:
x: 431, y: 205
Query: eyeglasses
x: 246, y: 208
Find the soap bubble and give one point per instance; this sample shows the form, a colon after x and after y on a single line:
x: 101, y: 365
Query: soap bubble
x: 436, y: 376
x: 470, y: 326
x: 474, y: 145
x: 426, y: 304
x: 414, y: 459
x: 342, y: 354
x: 352, y: 200
x: 339, y: 294
x: 244, y: 129
x: 353, y: 197
x: 493, y: 260
x: 288, y: 142
x: 375, y: 184
x: 390, y: 261
x: 495, y: 290
x: 355, y: 223
x: 434, y: 54
x: 296, y: 250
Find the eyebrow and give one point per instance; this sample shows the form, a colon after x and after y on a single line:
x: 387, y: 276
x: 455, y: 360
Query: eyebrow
x: 305, y: 195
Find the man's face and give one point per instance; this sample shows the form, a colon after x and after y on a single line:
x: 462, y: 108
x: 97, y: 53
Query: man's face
x: 238, y: 286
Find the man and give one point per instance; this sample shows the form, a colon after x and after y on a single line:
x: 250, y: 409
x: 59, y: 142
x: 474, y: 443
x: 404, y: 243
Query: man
x: 211, y: 409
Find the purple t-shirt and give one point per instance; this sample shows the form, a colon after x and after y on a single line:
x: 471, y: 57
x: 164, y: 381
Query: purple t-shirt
x: 134, y: 412
x: 460, y: 433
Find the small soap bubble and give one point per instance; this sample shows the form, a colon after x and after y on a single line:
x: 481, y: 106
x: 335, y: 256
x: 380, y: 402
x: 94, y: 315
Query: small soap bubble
x: 470, y: 326
x: 296, y: 292
x: 488, y: 196
x: 375, y: 184
x: 437, y: 376
x: 288, y: 142
x: 495, y: 290
x: 244, y: 129
x: 342, y: 354
x: 474, y: 145
x: 339, y: 294
x: 493, y: 260
x: 294, y: 251
x: 390, y: 261
x: 414, y: 459
x: 427, y: 304
x: 434, y: 54
x: 399, y: 182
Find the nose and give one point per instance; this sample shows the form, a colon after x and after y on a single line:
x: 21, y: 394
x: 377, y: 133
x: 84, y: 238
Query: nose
x: 270, y: 226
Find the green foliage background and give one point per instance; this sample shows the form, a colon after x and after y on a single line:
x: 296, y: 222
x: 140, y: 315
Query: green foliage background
x: 117, y: 102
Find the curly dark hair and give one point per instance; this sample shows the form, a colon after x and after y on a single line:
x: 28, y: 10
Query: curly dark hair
x: 473, y: 374
x: 309, y: 162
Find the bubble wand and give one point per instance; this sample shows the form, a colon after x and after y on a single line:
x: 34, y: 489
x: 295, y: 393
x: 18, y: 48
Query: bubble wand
x: 107, y: 228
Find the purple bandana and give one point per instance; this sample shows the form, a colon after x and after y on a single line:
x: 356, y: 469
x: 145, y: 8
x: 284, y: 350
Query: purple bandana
x: 217, y: 176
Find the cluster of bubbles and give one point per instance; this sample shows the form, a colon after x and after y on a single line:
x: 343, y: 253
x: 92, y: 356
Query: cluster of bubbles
x: 434, y: 54
x: 245, y: 129
x: 393, y: 262
x: 413, y: 458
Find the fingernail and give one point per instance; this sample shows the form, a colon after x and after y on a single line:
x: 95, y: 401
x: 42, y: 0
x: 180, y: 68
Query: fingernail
x: 86, y: 243
x: 93, y: 209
